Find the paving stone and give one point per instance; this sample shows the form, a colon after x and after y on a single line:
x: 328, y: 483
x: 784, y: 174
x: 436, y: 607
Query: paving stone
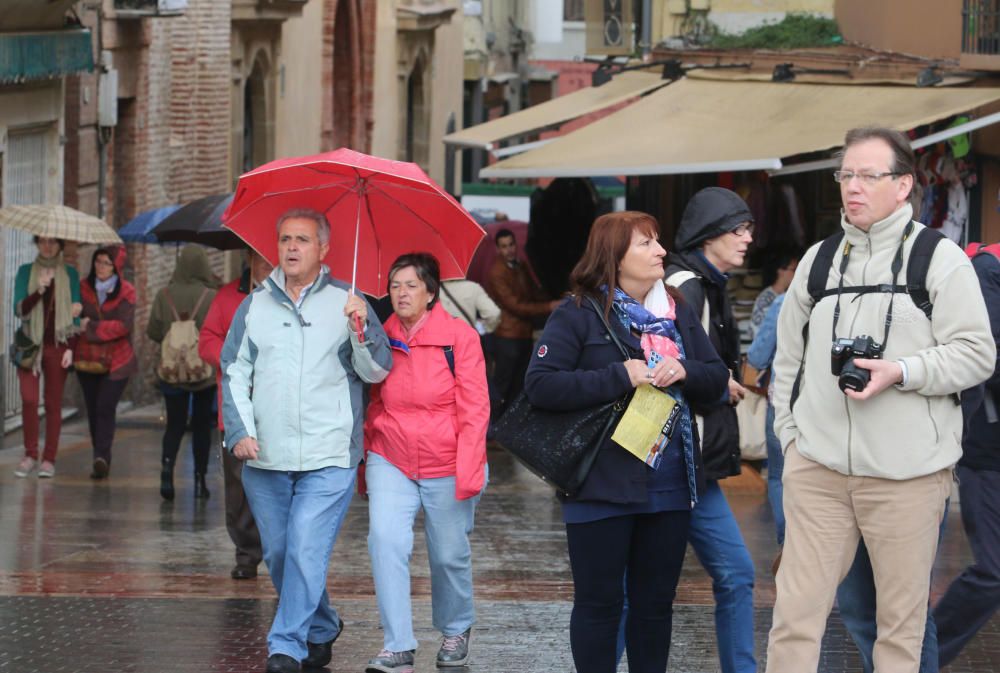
x: 105, y: 576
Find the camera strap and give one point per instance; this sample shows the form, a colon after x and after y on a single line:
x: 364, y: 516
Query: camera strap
x: 897, y: 266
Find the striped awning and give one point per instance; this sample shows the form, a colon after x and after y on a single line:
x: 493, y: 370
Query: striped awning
x: 33, y: 56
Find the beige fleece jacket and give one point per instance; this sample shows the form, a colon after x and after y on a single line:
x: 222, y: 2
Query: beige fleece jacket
x: 906, y: 431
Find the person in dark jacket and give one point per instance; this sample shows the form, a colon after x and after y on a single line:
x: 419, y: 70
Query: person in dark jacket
x: 106, y: 330
x: 974, y: 596
x: 711, y: 241
x: 628, y: 520
x: 240, y: 523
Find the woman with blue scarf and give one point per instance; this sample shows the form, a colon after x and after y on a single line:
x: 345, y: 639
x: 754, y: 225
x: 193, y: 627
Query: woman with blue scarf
x: 628, y: 520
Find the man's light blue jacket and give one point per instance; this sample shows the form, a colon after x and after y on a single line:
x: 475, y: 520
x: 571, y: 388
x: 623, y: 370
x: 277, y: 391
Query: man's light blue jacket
x: 292, y: 377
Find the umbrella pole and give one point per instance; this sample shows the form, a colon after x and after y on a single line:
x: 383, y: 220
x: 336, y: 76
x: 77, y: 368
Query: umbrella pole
x: 358, y: 327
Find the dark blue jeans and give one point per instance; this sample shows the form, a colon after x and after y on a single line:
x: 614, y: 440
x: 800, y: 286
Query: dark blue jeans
x: 775, y: 467
x: 974, y: 596
x: 718, y: 544
x: 856, y: 601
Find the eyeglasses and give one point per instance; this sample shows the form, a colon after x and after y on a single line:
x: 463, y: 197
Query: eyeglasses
x: 743, y: 229
x: 866, y: 178
x: 101, y: 262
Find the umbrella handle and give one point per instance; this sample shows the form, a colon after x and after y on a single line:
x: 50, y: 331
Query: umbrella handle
x: 359, y: 328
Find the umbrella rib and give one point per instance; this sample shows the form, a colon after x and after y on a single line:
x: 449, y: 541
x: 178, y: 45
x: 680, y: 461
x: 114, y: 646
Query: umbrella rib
x: 378, y: 242
x: 405, y: 207
x: 302, y: 190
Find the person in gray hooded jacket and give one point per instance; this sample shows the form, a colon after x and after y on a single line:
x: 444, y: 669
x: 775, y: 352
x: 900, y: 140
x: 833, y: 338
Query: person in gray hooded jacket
x: 712, y: 239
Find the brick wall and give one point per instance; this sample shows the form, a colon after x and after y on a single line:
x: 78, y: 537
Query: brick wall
x: 171, y: 144
x: 348, y: 60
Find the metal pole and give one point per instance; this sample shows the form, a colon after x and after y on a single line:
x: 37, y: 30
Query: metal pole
x: 3, y: 401
x: 647, y: 28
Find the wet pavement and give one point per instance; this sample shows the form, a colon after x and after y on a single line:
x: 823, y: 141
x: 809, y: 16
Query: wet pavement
x: 105, y: 576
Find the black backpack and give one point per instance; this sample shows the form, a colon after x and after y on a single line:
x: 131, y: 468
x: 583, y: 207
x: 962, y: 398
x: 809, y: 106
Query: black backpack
x: 917, y: 265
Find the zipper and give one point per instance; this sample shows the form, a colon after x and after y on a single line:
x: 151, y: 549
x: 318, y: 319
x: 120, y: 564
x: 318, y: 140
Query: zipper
x: 854, y: 320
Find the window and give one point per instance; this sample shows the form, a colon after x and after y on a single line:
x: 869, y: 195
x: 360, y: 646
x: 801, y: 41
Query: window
x: 573, y: 10
x: 981, y: 27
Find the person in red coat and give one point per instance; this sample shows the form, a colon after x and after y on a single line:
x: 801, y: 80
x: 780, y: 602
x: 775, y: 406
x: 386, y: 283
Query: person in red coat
x: 239, y: 520
x: 425, y: 436
x: 103, y: 358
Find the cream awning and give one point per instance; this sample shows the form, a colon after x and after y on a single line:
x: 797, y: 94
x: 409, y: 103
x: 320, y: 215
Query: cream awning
x: 699, y: 126
x: 558, y: 110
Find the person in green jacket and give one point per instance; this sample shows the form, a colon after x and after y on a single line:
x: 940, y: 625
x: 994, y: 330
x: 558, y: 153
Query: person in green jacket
x: 187, y: 296
x: 47, y: 300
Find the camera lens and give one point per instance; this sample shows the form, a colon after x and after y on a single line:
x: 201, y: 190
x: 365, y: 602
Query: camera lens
x: 853, y: 377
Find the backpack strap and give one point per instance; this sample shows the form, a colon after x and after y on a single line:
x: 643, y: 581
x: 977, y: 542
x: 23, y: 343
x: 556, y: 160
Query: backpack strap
x: 678, y: 278
x: 820, y: 270
x: 170, y: 303
x: 197, y: 305
x: 917, y: 265
x: 819, y: 273
x: 449, y: 355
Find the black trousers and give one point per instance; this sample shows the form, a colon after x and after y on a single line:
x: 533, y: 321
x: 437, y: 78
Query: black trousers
x: 650, y: 547
x: 201, y: 425
x: 511, y: 358
x: 240, y: 524
x: 101, y: 394
x: 974, y: 597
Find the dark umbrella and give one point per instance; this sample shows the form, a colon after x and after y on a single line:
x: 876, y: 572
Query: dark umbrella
x: 139, y: 228
x: 200, y: 222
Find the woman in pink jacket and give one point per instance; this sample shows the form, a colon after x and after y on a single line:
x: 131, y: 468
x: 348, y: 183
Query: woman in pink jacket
x: 426, y: 448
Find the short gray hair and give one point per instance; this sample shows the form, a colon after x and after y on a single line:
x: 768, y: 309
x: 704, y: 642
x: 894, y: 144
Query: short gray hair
x: 322, y: 224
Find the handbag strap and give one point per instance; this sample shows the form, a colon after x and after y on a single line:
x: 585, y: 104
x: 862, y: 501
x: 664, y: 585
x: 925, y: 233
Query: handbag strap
x: 607, y: 326
x: 468, y: 318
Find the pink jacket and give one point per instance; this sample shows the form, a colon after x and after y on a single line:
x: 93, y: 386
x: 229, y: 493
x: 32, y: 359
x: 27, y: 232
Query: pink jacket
x: 424, y: 420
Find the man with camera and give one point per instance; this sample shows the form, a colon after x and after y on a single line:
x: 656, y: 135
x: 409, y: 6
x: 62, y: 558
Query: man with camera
x: 867, y: 375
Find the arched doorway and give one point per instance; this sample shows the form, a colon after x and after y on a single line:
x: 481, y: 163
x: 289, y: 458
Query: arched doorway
x: 346, y: 72
x: 417, y: 116
x: 256, y: 126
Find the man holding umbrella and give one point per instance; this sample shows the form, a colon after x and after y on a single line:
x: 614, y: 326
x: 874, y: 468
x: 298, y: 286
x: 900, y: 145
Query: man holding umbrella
x: 295, y: 343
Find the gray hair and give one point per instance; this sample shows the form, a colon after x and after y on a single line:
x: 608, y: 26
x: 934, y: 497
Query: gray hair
x: 322, y: 224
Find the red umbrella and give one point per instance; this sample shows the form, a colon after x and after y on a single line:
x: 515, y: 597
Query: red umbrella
x: 378, y: 210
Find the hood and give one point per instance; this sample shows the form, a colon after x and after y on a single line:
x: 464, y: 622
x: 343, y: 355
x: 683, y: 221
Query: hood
x: 193, y: 267
x: 711, y: 212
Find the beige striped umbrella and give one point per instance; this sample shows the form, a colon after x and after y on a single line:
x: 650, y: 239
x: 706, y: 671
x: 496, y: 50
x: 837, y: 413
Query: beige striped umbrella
x: 52, y: 221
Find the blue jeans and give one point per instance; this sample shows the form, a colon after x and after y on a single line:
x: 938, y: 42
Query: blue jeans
x: 393, y: 502
x: 973, y: 596
x: 716, y: 540
x: 775, y: 466
x: 856, y: 601
x: 298, y: 515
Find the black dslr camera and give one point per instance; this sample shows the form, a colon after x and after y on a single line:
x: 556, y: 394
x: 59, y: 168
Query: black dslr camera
x: 842, y: 355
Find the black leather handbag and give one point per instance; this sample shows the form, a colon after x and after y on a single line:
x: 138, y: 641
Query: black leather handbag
x: 561, y: 446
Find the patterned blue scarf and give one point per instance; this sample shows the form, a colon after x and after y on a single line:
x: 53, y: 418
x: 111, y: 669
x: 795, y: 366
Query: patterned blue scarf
x: 633, y: 315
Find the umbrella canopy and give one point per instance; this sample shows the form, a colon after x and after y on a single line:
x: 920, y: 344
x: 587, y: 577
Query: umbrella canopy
x: 378, y: 210
x: 52, y: 221
x: 139, y: 229
x: 199, y: 221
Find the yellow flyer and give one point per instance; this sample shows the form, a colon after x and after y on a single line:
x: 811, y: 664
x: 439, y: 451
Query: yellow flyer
x: 646, y: 425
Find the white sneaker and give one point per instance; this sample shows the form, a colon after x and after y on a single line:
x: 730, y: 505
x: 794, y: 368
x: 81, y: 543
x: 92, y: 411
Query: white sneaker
x: 47, y: 470
x: 25, y: 467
